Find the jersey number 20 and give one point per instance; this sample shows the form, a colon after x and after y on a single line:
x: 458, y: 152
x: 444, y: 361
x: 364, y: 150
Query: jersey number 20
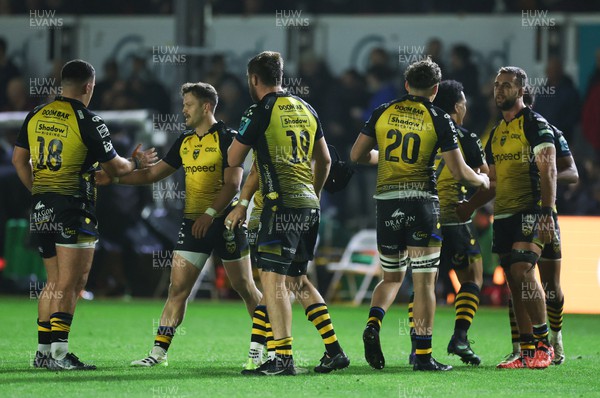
x: 409, y: 155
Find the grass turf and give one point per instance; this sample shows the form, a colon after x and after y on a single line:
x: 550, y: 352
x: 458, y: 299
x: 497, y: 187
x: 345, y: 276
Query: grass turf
x: 206, y: 356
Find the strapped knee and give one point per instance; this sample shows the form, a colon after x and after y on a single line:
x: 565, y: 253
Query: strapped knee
x: 427, y: 263
x: 391, y: 264
x: 522, y: 256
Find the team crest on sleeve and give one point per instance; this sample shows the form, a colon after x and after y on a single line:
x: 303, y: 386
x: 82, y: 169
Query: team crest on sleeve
x: 244, y: 124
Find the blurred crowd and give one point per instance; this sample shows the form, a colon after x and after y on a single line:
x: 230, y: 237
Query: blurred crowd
x: 343, y: 102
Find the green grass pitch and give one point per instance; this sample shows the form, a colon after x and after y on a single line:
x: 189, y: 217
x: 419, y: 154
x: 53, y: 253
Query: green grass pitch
x: 206, y: 356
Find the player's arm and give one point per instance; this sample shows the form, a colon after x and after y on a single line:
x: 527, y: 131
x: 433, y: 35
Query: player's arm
x: 465, y: 209
x: 237, y: 152
x: 232, y: 179
x: 545, y: 159
x: 363, y: 151
x: 322, y: 163
x: 462, y: 172
x: 96, y: 137
x: 21, y: 159
x: 237, y: 216
x: 566, y: 170
x: 149, y: 175
x: 119, y: 166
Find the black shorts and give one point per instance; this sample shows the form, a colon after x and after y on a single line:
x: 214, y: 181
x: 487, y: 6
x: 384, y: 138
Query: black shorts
x: 520, y: 227
x: 286, y: 239
x: 63, y: 220
x: 253, y: 226
x: 460, y: 247
x: 407, y: 222
x: 552, y: 250
x: 228, y: 245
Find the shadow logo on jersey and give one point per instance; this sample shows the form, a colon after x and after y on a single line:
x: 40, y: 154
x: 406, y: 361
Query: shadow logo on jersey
x: 196, y: 154
x: 503, y: 140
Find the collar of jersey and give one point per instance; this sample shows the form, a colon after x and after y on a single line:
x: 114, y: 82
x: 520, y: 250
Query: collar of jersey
x: 522, y: 111
x: 61, y: 98
x: 218, y: 126
x: 416, y: 98
x: 275, y: 94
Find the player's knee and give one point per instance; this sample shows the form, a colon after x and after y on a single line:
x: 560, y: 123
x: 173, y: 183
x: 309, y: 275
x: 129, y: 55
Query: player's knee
x: 523, y: 256
x: 178, y: 291
x: 425, y: 264
x: 81, y: 283
x: 393, y: 265
x: 521, y: 262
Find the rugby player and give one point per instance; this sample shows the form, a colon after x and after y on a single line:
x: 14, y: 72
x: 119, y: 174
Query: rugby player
x: 211, y: 184
x: 56, y: 152
x: 285, y: 133
x: 408, y: 132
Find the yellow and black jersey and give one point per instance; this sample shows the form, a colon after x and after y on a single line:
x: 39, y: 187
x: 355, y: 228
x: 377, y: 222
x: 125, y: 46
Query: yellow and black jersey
x: 511, y: 149
x: 65, y: 141
x: 560, y: 143
x: 204, y: 160
x: 451, y: 191
x: 409, y: 132
x: 282, y: 129
x: 258, y: 198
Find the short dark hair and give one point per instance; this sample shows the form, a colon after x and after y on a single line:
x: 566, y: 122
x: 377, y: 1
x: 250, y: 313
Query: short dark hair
x: 423, y: 74
x: 448, y: 95
x: 77, y: 71
x: 520, y: 74
x: 268, y: 66
x: 202, y: 91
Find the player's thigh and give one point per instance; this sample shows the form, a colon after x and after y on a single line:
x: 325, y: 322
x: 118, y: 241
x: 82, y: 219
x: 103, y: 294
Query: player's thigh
x: 285, y: 236
x: 423, y: 228
x: 51, y: 267
x: 423, y: 236
x: 391, y: 242
x: 185, y: 270
x: 190, y: 256
x: 73, y: 263
x: 461, y: 252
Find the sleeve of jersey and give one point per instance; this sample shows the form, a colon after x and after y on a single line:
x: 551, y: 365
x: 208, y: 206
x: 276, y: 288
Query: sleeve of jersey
x: 225, y: 142
x: 369, y: 127
x: 561, y: 145
x: 96, y: 137
x: 446, y: 132
x: 488, y: 149
x: 319, y: 132
x: 173, y: 157
x: 539, y: 134
x: 23, y: 137
x: 473, y: 150
x: 250, y: 130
